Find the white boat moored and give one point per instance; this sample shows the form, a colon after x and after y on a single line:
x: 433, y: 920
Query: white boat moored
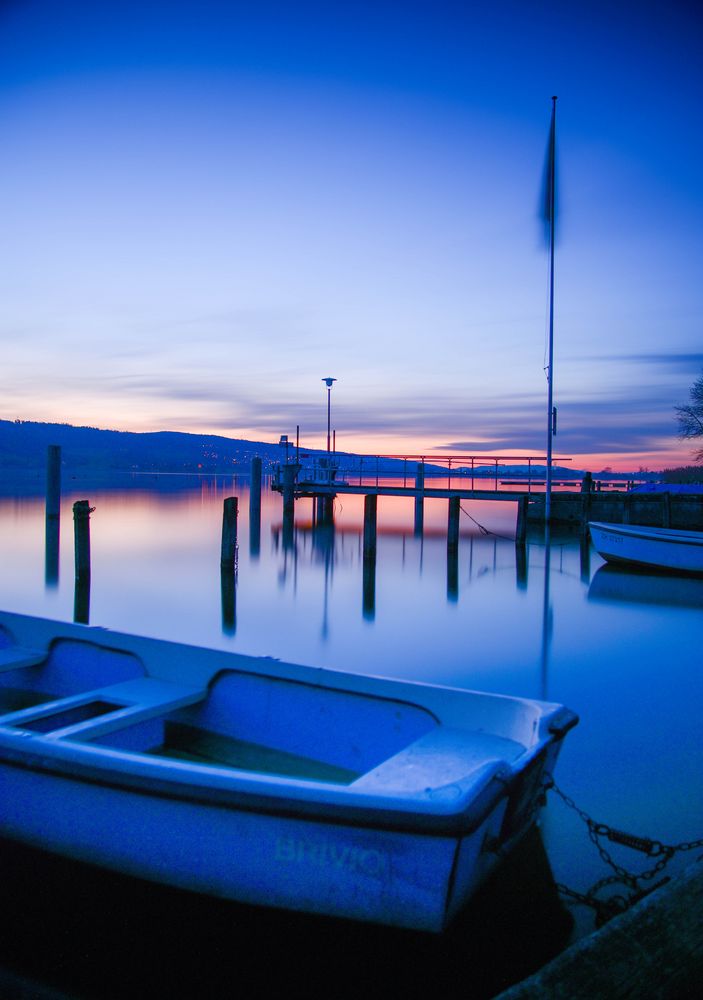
x: 663, y: 548
x: 261, y: 781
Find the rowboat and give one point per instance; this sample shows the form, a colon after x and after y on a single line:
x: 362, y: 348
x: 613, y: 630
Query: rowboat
x: 662, y: 548
x: 261, y: 781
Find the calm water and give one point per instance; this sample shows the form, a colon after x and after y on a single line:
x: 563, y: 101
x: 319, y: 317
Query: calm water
x: 620, y: 649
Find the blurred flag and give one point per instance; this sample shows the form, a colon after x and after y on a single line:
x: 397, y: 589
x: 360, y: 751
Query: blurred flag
x: 548, y: 201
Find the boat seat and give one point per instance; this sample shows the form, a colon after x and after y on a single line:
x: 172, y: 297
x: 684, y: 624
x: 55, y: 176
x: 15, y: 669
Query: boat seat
x: 16, y: 657
x: 440, y: 757
x: 102, y: 710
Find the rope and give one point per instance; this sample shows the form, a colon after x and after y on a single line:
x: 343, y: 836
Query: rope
x: 482, y: 529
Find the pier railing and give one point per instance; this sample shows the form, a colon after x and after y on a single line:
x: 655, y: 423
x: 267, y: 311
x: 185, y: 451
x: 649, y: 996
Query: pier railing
x: 502, y: 470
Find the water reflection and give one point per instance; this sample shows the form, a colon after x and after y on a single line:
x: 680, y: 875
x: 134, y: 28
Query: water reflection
x: 228, y: 590
x: 52, y: 539
x: 544, y: 620
x: 617, y: 584
x: 122, y: 937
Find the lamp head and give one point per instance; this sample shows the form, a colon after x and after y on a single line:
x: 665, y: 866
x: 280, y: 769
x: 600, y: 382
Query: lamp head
x: 328, y: 382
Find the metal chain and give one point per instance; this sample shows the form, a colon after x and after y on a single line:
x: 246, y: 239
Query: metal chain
x: 611, y: 906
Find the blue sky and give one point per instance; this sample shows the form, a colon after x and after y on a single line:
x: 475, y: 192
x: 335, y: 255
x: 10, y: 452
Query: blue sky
x: 207, y: 207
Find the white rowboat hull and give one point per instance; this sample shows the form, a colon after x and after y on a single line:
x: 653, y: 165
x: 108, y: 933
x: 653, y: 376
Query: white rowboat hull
x: 348, y: 796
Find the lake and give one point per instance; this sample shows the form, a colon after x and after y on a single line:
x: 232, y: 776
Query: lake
x: 619, y: 648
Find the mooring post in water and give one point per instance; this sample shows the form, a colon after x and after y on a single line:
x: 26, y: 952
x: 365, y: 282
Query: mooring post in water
x: 255, y: 488
x: 453, y: 524
x: 81, y: 535
x: 53, y: 515
x: 229, y: 533
x: 369, y: 560
x: 521, y: 524
x: 370, y: 512
x: 419, y: 500
x: 255, y: 509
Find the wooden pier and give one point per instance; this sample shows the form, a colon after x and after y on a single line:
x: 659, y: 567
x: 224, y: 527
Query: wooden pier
x: 574, y: 508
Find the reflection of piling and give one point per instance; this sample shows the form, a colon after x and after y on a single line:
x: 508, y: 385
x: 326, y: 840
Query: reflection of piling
x: 229, y: 533
x: 53, y: 515
x: 521, y: 524
x: 585, y: 556
x: 419, y: 500
x: 521, y: 566
x: 369, y: 577
x: 81, y: 532
x: 229, y: 599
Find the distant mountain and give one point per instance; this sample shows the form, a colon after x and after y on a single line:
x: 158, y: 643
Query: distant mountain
x: 23, y: 446
x: 24, y: 443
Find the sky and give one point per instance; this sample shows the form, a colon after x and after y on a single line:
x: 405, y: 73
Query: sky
x: 208, y: 207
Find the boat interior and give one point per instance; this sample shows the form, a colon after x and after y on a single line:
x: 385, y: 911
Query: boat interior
x: 251, y: 722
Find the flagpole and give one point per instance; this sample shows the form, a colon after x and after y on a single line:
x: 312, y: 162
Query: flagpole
x: 550, y: 365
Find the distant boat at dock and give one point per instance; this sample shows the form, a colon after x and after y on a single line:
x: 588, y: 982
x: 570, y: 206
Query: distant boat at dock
x: 667, y: 549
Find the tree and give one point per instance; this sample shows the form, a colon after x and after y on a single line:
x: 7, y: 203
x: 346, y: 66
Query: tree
x: 690, y: 418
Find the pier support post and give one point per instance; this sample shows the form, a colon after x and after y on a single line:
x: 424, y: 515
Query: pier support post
x: 255, y: 509
x: 521, y: 523
x: 453, y: 549
x: 666, y: 510
x: 419, y: 500
x: 370, y: 512
x: 81, y: 535
x: 453, y: 523
x: 53, y: 515
x: 369, y: 572
x: 228, y: 550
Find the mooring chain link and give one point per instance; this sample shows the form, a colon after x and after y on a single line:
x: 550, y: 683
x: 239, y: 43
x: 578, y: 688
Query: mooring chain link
x: 610, y: 907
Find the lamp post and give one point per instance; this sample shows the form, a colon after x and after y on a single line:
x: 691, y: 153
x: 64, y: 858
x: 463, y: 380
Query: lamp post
x: 328, y: 382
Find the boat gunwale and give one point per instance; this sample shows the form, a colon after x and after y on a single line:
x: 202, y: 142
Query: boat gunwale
x: 651, y: 534
x: 401, y: 814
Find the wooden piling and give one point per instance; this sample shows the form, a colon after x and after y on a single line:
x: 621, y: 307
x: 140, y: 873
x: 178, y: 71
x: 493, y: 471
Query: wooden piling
x: 370, y: 512
x: 255, y: 509
x: 453, y: 524
x: 255, y: 489
x: 666, y: 510
x: 81, y: 537
x: 229, y: 533
x: 369, y: 560
x: 419, y: 500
